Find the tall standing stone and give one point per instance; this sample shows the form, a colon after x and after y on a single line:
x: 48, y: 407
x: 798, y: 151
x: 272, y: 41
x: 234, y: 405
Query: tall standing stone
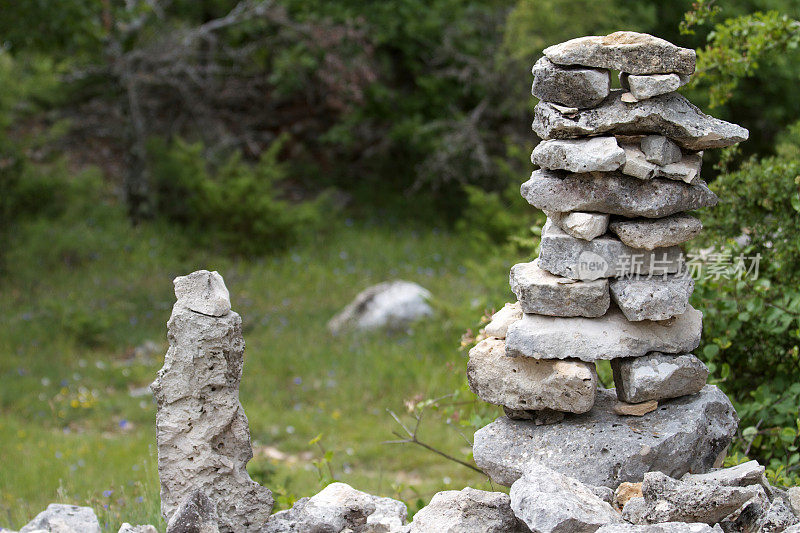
x: 202, y: 432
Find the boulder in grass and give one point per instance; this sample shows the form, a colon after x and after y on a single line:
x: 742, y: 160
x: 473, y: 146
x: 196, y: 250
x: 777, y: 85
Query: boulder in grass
x: 392, y: 305
x: 63, y: 518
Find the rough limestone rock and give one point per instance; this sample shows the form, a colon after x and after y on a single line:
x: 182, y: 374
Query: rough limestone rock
x: 777, y: 517
x: 793, y: 495
x: 669, y: 500
x: 337, y: 508
x: 627, y: 51
x: 742, y: 475
x: 687, y: 169
x: 202, y: 432
x: 203, y: 292
x: 196, y: 514
x: 614, y: 193
x: 656, y: 298
x: 127, y: 528
x: 602, y: 448
x: 62, y: 518
x: 608, y: 337
x: 595, y: 154
x: 658, y: 376
x: 670, y: 115
x: 660, y: 151
x: 571, y: 87
x: 540, y: 292
x: 564, y: 255
x: 467, y: 511
x: 650, y: 234
x: 586, y: 226
x: 510, y: 313
x: 550, y: 502
x: 392, y: 304
x: 668, y: 527
x: 635, y: 409
x: 650, y: 85
x: 523, y: 383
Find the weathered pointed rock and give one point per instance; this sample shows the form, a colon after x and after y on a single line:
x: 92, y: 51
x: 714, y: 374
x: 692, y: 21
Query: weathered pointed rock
x: 670, y: 115
x: 201, y: 429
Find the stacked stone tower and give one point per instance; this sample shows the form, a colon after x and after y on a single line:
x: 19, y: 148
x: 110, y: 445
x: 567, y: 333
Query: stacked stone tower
x: 618, y: 172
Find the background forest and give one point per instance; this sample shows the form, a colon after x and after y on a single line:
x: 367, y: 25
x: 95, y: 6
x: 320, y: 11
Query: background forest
x: 307, y: 149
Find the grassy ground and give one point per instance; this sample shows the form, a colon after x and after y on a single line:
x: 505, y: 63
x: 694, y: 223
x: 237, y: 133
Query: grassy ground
x: 82, y: 333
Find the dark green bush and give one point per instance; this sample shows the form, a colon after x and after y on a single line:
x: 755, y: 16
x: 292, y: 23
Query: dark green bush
x: 233, y: 203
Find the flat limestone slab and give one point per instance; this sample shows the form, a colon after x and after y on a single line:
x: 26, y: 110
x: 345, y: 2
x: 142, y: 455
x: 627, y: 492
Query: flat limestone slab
x: 650, y: 234
x: 628, y: 51
x: 656, y: 298
x: 571, y: 87
x: 604, y: 257
x: 670, y: 115
x: 647, y: 86
x: 529, y: 384
x: 540, y: 292
x: 608, y: 337
x: 614, y: 193
x: 658, y: 376
x: 601, y: 448
x: 595, y: 154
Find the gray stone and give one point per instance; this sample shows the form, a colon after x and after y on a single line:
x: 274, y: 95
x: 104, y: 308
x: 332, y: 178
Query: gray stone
x: 564, y: 255
x: 686, y: 170
x: 746, y: 519
x: 649, y: 85
x: 670, y: 115
x: 540, y: 292
x: 392, y: 304
x: 550, y: 502
x: 669, y: 500
x: 540, y: 417
x: 203, y: 292
x: 340, y: 507
x: 595, y: 154
x: 627, y: 51
x: 742, y: 475
x: 668, y: 527
x: 196, y: 514
x: 62, y: 518
x: 614, y: 193
x: 778, y: 517
x: 656, y: 298
x: 510, y: 313
x: 127, y: 528
x: 586, y: 226
x: 660, y: 151
x: 467, y: 511
x: 524, y: 383
x: 792, y: 529
x: 658, y: 376
x: 608, y: 337
x: 571, y: 87
x: 601, y: 448
x: 202, y: 432
x: 650, y: 234
x: 793, y: 495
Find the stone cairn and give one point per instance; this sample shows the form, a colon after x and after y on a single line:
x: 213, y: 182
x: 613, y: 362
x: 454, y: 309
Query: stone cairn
x: 619, y: 169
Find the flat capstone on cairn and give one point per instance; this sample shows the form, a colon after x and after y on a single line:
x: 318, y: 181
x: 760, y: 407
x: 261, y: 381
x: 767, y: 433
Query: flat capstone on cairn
x: 619, y: 170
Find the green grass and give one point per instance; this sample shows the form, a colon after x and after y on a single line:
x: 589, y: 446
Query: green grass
x: 80, y: 295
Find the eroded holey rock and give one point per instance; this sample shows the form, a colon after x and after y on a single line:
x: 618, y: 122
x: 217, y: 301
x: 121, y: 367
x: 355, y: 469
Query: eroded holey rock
x: 660, y: 151
x: 498, y: 326
x: 201, y: 429
x: 608, y: 337
x: 595, y: 154
x: 340, y: 507
x: 467, y: 511
x: 668, y: 527
x: 742, y: 475
x: 550, y: 502
x: 586, y: 226
x: 602, y: 448
x: 658, y: 376
x: 793, y: 495
x: 63, y: 517
x: 526, y: 383
x: 627, y: 51
x: 204, y: 292
x: 650, y: 234
x: 540, y: 292
x: 652, y: 298
x: 604, y: 257
x: 196, y: 514
x: 614, y: 193
x: 647, y: 86
x: 669, y: 500
x: 670, y: 115
x: 571, y: 87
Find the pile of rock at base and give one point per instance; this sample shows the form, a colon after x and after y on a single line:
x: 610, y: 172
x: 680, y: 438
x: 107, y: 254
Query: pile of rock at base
x: 619, y: 173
